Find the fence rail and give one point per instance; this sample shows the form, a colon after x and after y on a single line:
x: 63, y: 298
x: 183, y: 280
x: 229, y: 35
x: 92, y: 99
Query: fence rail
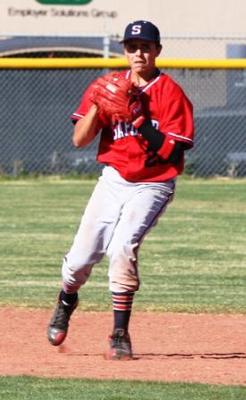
x: 67, y: 63
x: 39, y: 95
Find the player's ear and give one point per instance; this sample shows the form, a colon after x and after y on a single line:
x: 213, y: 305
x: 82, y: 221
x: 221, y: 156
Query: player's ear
x: 158, y: 49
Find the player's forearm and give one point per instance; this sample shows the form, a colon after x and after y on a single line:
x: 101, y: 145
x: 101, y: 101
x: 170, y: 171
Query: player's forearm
x: 168, y: 149
x: 86, y: 128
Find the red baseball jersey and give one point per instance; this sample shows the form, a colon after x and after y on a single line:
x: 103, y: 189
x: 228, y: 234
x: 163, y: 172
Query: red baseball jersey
x: 123, y: 147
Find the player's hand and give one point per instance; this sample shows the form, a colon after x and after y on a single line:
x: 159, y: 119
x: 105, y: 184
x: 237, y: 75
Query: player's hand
x: 118, y: 99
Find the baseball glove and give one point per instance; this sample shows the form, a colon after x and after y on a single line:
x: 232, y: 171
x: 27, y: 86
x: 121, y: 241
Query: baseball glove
x: 118, y: 99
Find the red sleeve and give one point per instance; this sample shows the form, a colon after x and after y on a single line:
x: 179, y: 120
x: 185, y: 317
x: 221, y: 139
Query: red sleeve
x: 84, y: 106
x: 177, y: 119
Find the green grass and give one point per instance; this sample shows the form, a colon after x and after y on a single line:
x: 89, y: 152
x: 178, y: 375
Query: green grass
x: 23, y: 388
x: 192, y: 261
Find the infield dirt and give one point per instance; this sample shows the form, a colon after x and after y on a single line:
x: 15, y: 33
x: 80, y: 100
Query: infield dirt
x: 205, y: 348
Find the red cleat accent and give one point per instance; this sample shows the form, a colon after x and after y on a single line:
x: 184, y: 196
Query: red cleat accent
x: 120, y: 346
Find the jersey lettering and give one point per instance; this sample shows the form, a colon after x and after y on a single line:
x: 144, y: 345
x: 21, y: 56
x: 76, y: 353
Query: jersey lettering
x: 136, y: 29
x: 123, y: 129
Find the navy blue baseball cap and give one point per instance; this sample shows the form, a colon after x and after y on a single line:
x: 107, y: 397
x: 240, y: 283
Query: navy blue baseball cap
x: 144, y: 30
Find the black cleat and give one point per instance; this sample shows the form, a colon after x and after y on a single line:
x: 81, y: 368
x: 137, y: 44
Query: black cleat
x: 120, y: 346
x: 58, y: 327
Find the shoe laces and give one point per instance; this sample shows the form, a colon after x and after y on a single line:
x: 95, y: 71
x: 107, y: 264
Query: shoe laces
x: 120, y: 337
x: 62, y: 315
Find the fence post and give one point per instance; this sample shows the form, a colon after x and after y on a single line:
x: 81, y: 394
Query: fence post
x: 106, y: 46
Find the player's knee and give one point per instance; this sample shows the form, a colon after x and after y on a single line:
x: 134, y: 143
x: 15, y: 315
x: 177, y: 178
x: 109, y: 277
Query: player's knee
x: 125, y: 252
x: 123, y: 271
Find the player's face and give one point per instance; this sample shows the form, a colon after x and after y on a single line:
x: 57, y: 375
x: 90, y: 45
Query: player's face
x: 141, y: 55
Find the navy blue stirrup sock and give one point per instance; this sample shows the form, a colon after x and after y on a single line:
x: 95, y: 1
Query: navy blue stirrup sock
x: 122, y: 307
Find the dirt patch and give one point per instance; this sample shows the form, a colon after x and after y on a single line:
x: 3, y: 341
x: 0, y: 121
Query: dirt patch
x: 168, y: 347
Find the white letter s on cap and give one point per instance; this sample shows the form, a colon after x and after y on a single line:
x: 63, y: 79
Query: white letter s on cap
x: 136, y: 29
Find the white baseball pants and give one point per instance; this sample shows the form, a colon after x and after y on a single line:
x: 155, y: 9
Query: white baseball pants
x: 116, y: 219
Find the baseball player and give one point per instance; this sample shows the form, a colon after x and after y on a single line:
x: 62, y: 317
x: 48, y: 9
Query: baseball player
x: 145, y: 124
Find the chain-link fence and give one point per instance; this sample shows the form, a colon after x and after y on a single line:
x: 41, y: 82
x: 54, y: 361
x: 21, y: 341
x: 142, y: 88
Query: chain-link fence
x: 35, y: 132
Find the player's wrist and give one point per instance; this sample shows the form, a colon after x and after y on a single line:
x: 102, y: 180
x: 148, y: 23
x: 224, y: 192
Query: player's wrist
x: 139, y: 121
